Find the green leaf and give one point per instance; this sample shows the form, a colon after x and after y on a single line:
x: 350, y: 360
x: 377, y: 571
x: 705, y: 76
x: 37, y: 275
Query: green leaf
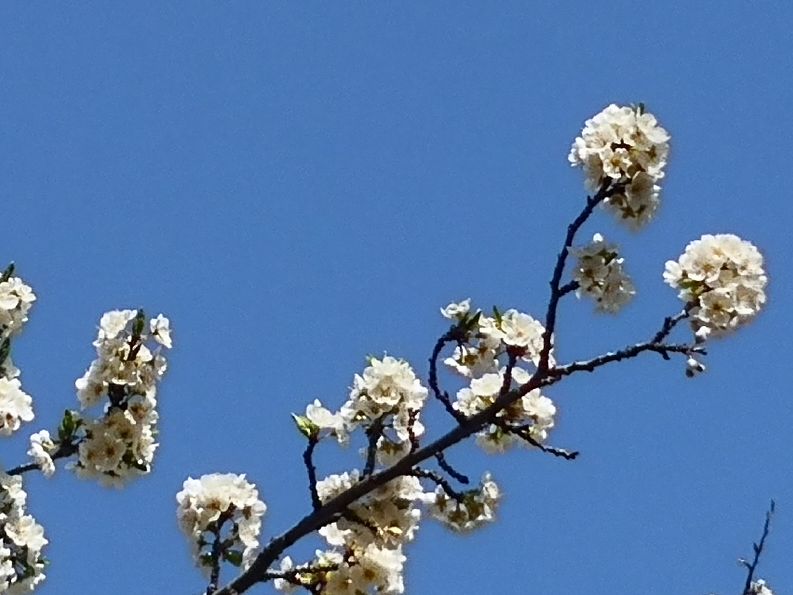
x: 233, y: 557
x: 8, y: 272
x: 5, y: 349
x: 305, y: 426
x: 139, y: 323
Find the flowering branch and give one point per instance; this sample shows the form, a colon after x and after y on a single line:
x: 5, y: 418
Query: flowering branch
x: 63, y: 451
x: 505, y: 360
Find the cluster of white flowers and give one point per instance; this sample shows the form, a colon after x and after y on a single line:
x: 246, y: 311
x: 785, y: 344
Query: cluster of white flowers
x: 366, y: 544
x: 601, y: 276
x: 759, y: 587
x: 626, y: 146
x: 16, y: 406
x: 223, y: 507
x: 480, y: 359
x: 16, y: 298
x: 21, y: 540
x: 120, y: 444
x: 722, y: 278
x: 388, y: 396
x: 476, y: 507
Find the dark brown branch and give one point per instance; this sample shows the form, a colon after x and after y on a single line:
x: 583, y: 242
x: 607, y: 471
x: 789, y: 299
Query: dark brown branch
x: 438, y: 479
x: 568, y: 287
x: 606, y: 189
x: 632, y: 351
x: 446, y: 466
x: 373, y: 432
x: 670, y: 322
x: 63, y: 451
x: 452, y: 336
x: 311, y: 470
x: 758, y: 550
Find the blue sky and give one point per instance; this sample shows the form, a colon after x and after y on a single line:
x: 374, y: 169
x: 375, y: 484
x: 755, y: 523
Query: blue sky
x: 299, y: 185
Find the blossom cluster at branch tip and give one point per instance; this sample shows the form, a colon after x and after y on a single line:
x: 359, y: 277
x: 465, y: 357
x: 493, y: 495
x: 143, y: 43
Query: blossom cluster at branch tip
x: 21, y: 540
x: 120, y: 444
x: 482, y: 357
x: 626, y: 147
x: 224, y: 507
x: 16, y: 299
x: 601, y: 276
x: 721, y: 278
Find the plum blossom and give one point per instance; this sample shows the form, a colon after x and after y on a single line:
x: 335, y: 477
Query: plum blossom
x: 721, y: 278
x: 625, y: 147
x: 120, y: 444
x: 21, y: 540
x: 601, y: 276
x: 218, y: 501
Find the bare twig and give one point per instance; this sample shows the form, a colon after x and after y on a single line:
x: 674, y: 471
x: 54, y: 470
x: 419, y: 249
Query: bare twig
x: 373, y: 432
x: 311, y: 470
x: 438, y: 479
x: 451, y: 336
x: 446, y: 466
x: 758, y: 550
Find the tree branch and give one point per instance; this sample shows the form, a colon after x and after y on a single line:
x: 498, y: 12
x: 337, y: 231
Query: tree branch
x: 63, y: 451
x: 606, y: 190
x: 311, y: 470
x: 758, y: 550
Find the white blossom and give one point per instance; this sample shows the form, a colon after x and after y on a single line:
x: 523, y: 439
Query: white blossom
x: 457, y: 310
x: 534, y: 412
x: 600, y: 275
x: 721, y: 277
x: 21, y: 540
x: 41, y: 449
x: 626, y: 146
x: 16, y: 299
x: 324, y: 419
x: 213, y: 502
x: 493, y: 336
x: 120, y: 443
x: 759, y: 587
x: 15, y: 405
x: 476, y: 508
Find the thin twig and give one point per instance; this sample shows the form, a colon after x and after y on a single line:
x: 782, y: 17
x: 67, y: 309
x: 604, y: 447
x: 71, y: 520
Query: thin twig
x: 606, y: 189
x: 451, y: 336
x: 524, y: 432
x: 63, y: 451
x: 758, y: 550
x: 568, y: 287
x: 373, y: 432
x: 446, y: 466
x: 438, y: 480
x: 311, y: 470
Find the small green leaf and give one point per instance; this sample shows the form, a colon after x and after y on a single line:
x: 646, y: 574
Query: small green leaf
x: 233, y: 557
x: 8, y: 272
x: 139, y: 323
x: 305, y: 426
x: 5, y: 349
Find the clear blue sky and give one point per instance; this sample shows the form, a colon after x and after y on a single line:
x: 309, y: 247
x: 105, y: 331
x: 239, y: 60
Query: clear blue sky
x: 300, y: 184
